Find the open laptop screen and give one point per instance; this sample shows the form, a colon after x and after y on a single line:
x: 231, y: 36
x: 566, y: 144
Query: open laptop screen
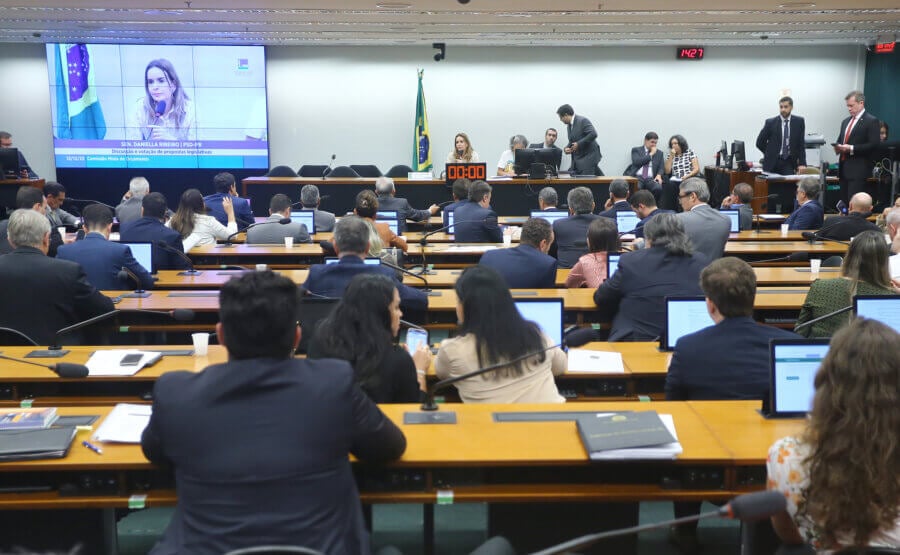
x: 143, y: 253
x: 684, y: 315
x: 735, y: 217
x: 884, y: 308
x: 305, y: 217
x: 627, y: 221
x: 546, y: 313
x: 550, y: 215
x: 794, y: 363
x: 612, y: 263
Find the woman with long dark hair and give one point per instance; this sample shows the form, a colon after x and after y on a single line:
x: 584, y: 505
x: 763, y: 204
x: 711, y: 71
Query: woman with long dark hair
x: 590, y: 270
x: 196, y: 226
x: 492, y: 331
x: 842, y: 476
x: 361, y: 330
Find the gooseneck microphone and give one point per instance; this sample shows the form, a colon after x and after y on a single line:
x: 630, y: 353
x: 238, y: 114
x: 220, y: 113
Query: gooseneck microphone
x: 427, y: 290
x: 763, y: 207
x: 90, y: 201
x: 126, y: 274
x: 837, y: 312
x: 813, y: 236
x: 802, y: 256
x: 169, y: 248
x: 62, y: 369
x: 330, y: 164
x: 748, y: 507
x: 228, y: 243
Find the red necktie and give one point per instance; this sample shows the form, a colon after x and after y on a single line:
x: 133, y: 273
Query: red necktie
x: 847, y: 134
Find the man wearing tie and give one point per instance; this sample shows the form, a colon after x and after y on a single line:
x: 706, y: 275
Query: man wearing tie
x: 647, y: 165
x: 782, y: 141
x: 857, y: 141
x: 582, y: 143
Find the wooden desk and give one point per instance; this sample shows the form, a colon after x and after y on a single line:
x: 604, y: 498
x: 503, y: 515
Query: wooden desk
x: 9, y: 188
x: 791, y: 275
x: 762, y: 250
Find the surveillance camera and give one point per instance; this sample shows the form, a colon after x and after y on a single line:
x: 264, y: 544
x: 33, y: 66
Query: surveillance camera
x: 438, y: 57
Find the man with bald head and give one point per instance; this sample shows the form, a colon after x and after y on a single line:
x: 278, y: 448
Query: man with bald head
x: 843, y: 228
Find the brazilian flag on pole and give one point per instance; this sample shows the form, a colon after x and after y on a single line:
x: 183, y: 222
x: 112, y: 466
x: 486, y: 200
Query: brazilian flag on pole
x: 78, y: 112
x: 421, y: 135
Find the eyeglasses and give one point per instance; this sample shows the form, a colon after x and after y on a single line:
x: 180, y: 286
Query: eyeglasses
x: 685, y: 195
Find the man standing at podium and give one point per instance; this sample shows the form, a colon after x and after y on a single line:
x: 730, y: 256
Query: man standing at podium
x: 782, y: 141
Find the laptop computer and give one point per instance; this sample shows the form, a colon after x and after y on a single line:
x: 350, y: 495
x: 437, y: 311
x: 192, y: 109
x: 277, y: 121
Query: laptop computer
x: 884, y: 308
x: 735, y: 217
x: 546, y: 313
x: 684, y: 315
x: 793, y: 364
x: 549, y: 215
x: 143, y: 253
x: 305, y: 217
x: 612, y: 263
x: 627, y: 221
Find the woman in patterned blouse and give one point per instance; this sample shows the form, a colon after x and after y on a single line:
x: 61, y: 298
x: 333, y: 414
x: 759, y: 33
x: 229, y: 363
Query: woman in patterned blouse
x: 842, y: 476
x: 681, y: 163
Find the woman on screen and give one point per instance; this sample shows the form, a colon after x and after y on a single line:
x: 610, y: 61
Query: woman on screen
x: 361, y: 330
x: 865, y: 271
x: 492, y: 331
x: 195, y: 226
x: 590, y: 270
x: 165, y: 112
x: 840, y: 476
x: 462, y: 150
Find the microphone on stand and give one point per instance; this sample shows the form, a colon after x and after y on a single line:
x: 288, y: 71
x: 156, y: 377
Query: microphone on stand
x: 802, y: 256
x: 90, y: 201
x: 328, y: 169
x: 427, y: 290
x: 813, y: 236
x: 228, y: 243
x: 169, y: 248
x: 62, y: 369
x: 763, y: 207
x: 139, y: 293
x: 837, y: 312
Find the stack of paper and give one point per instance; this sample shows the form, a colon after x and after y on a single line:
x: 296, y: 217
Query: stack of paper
x: 125, y: 423
x: 662, y: 451
x: 586, y: 360
x: 107, y: 362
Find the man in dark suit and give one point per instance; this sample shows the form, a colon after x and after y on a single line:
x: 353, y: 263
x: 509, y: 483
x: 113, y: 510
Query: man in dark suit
x: 151, y: 228
x: 845, y: 228
x: 739, y: 199
x: 384, y: 188
x: 582, y: 143
x: 644, y: 205
x: 351, y: 242
x: 570, y: 234
x: 264, y: 438
x: 310, y: 200
x: 633, y: 299
x: 548, y: 199
x: 648, y: 165
x: 527, y: 266
x: 226, y: 186
x: 460, y: 193
x: 808, y: 213
x: 618, y: 199
x: 475, y: 221
x: 782, y: 141
x: 39, y: 294
x: 706, y: 227
x: 729, y: 360
x: 103, y: 260
x: 857, y: 142
x: 25, y: 170
x: 30, y: 198
x: 550, y: 136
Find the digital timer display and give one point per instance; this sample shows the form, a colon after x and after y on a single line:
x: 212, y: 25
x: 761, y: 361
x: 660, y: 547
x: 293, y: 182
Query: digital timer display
x: 690, y: 52
x: 466, y: 171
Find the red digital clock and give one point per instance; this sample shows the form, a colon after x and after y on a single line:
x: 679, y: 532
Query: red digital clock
x: 690, y: 52
x: 472, y: 172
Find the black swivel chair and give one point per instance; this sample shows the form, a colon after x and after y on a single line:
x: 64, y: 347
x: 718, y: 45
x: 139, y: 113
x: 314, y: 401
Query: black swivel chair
x: 833, y: 262
x: 11, y: 337
x: 311, y: 311
x: 366, y: 170
x: 307, y: 170
x: 398, y: 171
x: 281, y: 171
x: 343, y: 171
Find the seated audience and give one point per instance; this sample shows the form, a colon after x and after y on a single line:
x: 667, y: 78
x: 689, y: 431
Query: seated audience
x: 272, y: 231
x: 492, y: 331
x: 644, y: 205
x: 618, y: 199
x: 526, y: 266
x: 840, y: 475
x: 296, y: 421
x: 226, y: 189
x: 570, y: 232
x: 880, y: 221
x: 151, y: 227
x: 863, y: 272
x: 56, y: 196
x: 105, y: 261
x: 475, y: 221
x: 384, y: 187
x: 548, y: 199
x: 460, y: 193
x: 39, y: 294
x: 381, y: 237
x: 707, y: 229
x: 30, y: 198
x: 462, y: 151
x: 844, y: 228
x: 602, y: 238
x: 310, y: 200
x: 633, y: 299
x: 739, y: 199
x: 130, y: 208
x: 361, y: 330
x: 808, y: 213
x: 195, y: 226
x: 507, y: 163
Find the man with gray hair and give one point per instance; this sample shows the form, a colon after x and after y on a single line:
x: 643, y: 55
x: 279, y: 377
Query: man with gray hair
x: 129, y: 209
x: 548, y: 199
x: 808, y: 212
x: 39, y: 294
x: 310, y: 199
x: 571, y: 232
x: 618, y: 199
x: 739, y: 199
x: 507, y: 163
x: 706, y: 228
x: 633, y: 298
x: 845, y: 228
x: 384, y: 188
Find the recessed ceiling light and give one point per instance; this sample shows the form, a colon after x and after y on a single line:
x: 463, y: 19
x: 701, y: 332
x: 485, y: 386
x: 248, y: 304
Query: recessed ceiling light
x: 393, y: 5
x: 786, y: 5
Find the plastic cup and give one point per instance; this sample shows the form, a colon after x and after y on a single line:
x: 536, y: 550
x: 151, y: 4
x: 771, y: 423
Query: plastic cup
x: 201, y: 344
x: 507, y: 239
x: 288, y: 242
x: 262, y: 267
x: 814, y: 265
x: 62, y: 231
x: 784, y: 230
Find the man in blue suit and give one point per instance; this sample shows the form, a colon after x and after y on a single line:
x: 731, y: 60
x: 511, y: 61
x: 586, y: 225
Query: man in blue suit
x: 103, y: 260
x: 151, y: 228
x: 808, y: 213
x: 225, y: 186
x: 570, y: 234
x: 475, y: 221
x: 351, y: 242
x: 460, y: 192
x: 527, y: 266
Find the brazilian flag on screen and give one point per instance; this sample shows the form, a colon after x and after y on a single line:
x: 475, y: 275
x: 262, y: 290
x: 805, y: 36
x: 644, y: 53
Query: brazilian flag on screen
x: 421, y: 137
x: 78, y: 112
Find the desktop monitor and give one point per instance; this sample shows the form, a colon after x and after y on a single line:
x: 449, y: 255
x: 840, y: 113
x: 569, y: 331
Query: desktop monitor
x: 305, y: 217
x: 549, y: 215
x: 884, y: 308
x: 9, y: 162
x: 143, y: 253
x: 550, y: 157
x: 612, y: 263
x: 546, y: 313
x: 792, y: 371
x: 735, y: 217
x: 739, y: 155
x: 524, y: 158
x: 372, y: 261
x: 684, y: 315
x: 627, y: 221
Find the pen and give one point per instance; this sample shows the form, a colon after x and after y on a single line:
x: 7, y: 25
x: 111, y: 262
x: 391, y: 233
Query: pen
x: 92, y: 447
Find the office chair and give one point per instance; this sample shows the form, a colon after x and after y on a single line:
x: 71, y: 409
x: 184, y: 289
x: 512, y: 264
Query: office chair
x: 398, y: 171
x: 11, y: 337
x: 311, y: 311
x: 343, y: 171
x: 369, y: 170
x: 311, y: 171
x: 274, y: 550
x: 833, y: 262
x: 281, y: 171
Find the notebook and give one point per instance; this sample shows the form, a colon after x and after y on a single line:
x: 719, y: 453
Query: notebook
x: 23, y: 445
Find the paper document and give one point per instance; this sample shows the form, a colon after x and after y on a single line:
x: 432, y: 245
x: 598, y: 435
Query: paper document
x: 467, y: 248
x: 107, y: 362
x: 664, y: 452
x: 586, y: 360
x: 125, y: 423
x: 771, y: 216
